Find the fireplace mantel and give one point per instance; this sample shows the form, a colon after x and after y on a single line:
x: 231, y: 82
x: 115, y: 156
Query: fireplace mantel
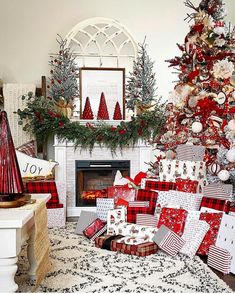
x: 66, y: 155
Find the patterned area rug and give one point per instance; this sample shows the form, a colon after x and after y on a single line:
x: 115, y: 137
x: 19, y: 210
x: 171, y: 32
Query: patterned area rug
x: 77, y: 266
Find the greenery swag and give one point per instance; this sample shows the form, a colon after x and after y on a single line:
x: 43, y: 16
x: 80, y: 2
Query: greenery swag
x: 42, y: 118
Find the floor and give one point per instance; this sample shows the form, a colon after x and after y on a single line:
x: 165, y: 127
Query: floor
x: 228, y: 279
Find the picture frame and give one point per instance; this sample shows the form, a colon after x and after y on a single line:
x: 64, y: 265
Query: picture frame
x: 95, y: 80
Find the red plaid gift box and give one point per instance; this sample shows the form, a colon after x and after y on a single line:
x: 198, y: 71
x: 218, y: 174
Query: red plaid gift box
x: 214, y: 220
x: 125, y: 193
x: 159, y: 186
x: 143, y: 249
x: 93, y: 228
x: 168, y: 241
x: 218, y: 204
x: 173, y: 218
x: 105, y: 241
x: 219, y: 259
x: 41, y: 187
x: 142, y: 195
x: 186, y: 185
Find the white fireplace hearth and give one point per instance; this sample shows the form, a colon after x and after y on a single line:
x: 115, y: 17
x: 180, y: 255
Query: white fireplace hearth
x: 66, y: 155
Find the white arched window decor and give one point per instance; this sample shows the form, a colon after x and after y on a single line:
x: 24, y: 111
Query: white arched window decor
x: 101, y: 42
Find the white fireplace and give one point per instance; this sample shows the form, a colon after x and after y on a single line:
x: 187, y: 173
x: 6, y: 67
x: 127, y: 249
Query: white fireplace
x: 66, y: 155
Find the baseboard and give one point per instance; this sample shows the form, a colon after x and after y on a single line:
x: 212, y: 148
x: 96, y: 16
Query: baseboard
x: 75, y: 211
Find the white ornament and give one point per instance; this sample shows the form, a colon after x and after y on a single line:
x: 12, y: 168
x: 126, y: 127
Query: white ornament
x: 224, y: 175
x: 223, y: 69
x: 196, y: 127
x: 231, y: 125
x: 230, y: 156
x: 221, y: 98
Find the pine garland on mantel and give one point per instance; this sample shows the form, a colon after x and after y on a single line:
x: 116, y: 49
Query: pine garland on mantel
x: 43, y: 119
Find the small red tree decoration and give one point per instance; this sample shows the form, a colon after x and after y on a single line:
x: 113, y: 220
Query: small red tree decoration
x: 11, y: 181
x: 117, y: 115
x: 103, y: 111
x: 87, y: 111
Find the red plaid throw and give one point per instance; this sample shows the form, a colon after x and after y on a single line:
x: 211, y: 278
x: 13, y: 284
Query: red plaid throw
x: 143, y: 249
x: 40, y: 187
x: 142, y: 195
x: 160, y: 186
x: 218, y: 204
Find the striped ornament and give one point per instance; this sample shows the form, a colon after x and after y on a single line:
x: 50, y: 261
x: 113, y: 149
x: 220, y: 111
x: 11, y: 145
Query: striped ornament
x: 218, y: 191
x: 168, y: 241
x: 219, y: 259
x: 138, y: 204
x: 146, y: 220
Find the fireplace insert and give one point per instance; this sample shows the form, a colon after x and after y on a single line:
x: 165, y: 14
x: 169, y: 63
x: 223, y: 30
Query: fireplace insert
x: 94, y: 176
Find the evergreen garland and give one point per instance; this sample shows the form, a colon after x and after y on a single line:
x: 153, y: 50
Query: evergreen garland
x: 43, y: 119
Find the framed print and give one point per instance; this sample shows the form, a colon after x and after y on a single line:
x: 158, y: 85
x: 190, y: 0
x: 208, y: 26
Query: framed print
x: 109, y: 81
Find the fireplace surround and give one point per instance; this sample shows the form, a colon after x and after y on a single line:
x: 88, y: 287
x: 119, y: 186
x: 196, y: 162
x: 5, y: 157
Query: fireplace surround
x: 66, y: 155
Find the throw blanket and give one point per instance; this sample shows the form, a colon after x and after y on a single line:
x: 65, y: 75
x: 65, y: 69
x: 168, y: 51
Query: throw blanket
x: 41, y: 242
x: 12, y: 101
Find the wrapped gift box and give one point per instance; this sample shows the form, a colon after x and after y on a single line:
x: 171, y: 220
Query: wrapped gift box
x: 113, y: 218
x: 123, y: 192
x: 190, y: 152
x: 94, y: 228
x: 152, y: 184
x: 218, y: 191
x: 146, y: 220
x: 217, y: 204
x: 194, y: 233
x: 186, y: 185
x: 219, y: 259
x: 103, y: 205
x: 143, y: 249
x: 168, y: 241
x: 170, y: 170
x: 187, y: 201
x: 105, y: 241
x: 214, y: 220
x: 174, y: 219
x: 226, y: 237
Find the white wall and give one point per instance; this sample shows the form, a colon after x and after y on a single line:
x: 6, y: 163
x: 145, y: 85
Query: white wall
x: 28, y: 31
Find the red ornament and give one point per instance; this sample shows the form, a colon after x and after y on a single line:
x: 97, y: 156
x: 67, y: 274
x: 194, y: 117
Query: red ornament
x: 61, y: 123
x: 117, y: 115
x: 198, y: 27
x: 103, y: 111
x: 87, y: 112
x: 122, y: 131
x: 11, y: 181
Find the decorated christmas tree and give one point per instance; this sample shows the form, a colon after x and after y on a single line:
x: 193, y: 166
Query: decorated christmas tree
x: 87, y: 111
x: 140, y: 89
x: 63, y: 86
x: 11, y: 184
x: 103, y: 110
x: 202, y: 105
x: 117, y: 115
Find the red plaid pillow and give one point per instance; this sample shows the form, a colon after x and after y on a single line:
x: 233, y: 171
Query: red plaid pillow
x: 186, y: 185
x: 93, y: 228
x: 28, y: 148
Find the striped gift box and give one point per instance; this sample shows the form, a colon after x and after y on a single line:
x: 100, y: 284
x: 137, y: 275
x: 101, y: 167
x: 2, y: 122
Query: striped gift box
x: 168, y: 241
x: 143, y: 249
x: 99, y: 233
x: 218, y: 191
x: 190, y: 152
x: 219, y: 259
x: 138, y: 204
x: 146, y: 220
